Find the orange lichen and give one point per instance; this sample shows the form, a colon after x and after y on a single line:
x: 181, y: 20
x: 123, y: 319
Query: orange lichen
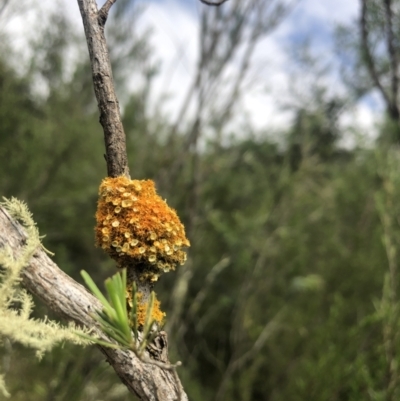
x: 157, y: 315
x: 135, y: 225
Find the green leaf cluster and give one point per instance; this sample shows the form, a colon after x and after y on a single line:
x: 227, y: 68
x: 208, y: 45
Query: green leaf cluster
x: 115, y: 320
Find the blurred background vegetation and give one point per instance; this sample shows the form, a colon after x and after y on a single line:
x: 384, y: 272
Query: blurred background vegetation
x: 291, y: 287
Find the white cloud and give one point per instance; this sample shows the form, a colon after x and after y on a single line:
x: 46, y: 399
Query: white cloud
x: 174, y: 38
x: 330, y: 10
x: 175, y: 28
x: 361, y: 123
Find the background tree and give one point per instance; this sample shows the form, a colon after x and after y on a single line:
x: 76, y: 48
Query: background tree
x: 370, y: 54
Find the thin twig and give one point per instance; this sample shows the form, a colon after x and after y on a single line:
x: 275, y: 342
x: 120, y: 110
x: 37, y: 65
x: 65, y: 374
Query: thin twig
x: 210, y: 3
x: 392, y: 51
x: 103, y: 13
x: 3, y: 6
x: 237, y: 363
x: 161, y: 365
x: 367, y: 52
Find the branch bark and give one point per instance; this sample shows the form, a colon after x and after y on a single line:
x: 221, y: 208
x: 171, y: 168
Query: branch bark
x: 63, y: 295
x: 392, y: 52
x: 368, y: 54
x: 110, y: 117
x: 215, y: 3
x: 103, y: 13
x: 3, y: 6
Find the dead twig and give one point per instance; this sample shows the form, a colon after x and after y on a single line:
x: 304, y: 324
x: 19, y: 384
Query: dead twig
x: 210, y: 3
x: 103, y: 13
x: 393, y: 55
x: 3, y: 6
x: 366, y: 49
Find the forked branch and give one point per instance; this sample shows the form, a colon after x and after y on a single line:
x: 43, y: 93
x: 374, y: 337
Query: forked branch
x: 103, y: 13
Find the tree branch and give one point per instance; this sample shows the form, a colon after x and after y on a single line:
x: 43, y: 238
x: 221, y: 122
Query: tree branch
x: 235, y: 364
x: 392, y: 52
x: 367, y: 53
x: 59, y: 292
x: 103, y: 13
x: 4, y: 5
x: 211, y: 3
x: 110, y: 118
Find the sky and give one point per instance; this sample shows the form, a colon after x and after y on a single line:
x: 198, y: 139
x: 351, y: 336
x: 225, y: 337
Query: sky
x: 175, y: 25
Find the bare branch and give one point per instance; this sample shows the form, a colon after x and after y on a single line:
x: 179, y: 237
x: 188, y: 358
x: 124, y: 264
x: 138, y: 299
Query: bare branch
x: 3, y: 6
x: 110, y: 118
x: 211, y: 3
x: 392, y: 52
x: 148, y: 381
x: 103, y: 13
x: 236, y: 362
x: 368, y: 54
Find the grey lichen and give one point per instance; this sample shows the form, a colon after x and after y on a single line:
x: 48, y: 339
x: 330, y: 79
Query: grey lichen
x: 16, y: 304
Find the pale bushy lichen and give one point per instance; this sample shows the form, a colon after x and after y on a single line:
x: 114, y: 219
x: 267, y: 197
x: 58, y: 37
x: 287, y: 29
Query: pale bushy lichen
x: 3, y: 389
x: 16, y: 304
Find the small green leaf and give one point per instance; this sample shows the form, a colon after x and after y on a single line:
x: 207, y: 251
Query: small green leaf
x: 134, y: 312
x: 95, y: 290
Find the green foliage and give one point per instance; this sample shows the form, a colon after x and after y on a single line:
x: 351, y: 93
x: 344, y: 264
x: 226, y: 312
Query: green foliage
x: 115, y: 320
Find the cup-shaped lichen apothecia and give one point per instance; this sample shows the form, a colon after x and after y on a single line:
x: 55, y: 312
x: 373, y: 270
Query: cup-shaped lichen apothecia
x: 137, y: 228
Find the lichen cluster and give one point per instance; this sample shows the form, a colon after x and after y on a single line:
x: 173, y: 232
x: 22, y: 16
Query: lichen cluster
x: 156, y: 314
x: 136, y: 226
